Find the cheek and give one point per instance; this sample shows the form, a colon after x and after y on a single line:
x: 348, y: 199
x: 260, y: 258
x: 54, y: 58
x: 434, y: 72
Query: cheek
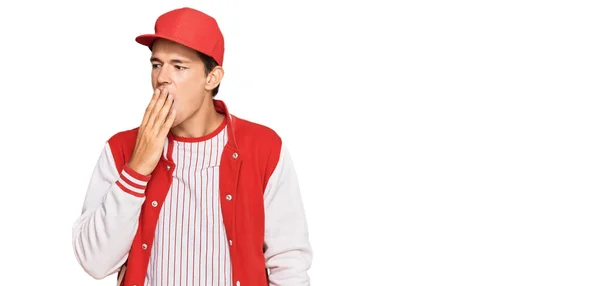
x: 190, y: 81
x: 153, y: 78
x: 188, y: 91
x: 182, y: 101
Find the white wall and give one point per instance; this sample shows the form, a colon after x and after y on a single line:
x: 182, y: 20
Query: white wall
x: 437, y: 142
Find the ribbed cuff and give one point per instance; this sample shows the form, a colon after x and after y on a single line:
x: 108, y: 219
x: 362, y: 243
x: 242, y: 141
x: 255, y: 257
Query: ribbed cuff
x: 133, y: 182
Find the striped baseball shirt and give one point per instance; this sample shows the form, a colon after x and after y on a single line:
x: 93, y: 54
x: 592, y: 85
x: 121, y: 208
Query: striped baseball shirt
x: 190, y: 245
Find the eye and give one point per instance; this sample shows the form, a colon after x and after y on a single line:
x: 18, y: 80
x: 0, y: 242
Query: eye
x: 180, y: 67
x: 155, y: 66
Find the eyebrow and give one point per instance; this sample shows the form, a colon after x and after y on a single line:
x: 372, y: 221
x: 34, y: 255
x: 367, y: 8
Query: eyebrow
x: 173, y: 61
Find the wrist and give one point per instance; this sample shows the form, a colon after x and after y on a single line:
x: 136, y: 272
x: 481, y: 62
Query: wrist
x: 138, y: 168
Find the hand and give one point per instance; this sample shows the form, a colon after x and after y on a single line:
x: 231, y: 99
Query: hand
x: 152, y: 133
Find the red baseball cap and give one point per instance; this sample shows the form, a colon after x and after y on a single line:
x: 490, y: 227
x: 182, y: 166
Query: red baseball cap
x: 191, y: 28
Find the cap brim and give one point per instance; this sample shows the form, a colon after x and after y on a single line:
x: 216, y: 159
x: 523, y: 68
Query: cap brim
x: 148, y: 39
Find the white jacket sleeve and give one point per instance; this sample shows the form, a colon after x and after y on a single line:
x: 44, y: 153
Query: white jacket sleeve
x: 288, y: 253
x: 103, y: 234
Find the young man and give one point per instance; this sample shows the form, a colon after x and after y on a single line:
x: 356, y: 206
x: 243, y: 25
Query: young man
x: 194, y: 195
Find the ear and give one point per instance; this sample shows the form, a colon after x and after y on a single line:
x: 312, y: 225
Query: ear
x: 214, y: 78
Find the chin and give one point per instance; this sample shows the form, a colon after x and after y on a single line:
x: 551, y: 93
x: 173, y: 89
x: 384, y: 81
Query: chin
x: 175, y: 124
x: 178, y: 121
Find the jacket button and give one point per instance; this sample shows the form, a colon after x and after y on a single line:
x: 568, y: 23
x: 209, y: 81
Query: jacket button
x: 168, y: 167
x: 154, y: 203
x: 144, y: 246
x: 230, y: 242
x: 228, y: 197
x: 235, y: 155
x: 237, y: 283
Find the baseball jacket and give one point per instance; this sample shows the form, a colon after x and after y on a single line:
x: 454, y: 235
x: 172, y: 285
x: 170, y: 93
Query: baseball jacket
x: 260, y: 200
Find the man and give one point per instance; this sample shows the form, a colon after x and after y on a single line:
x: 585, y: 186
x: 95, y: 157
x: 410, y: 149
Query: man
x: 194, y: 195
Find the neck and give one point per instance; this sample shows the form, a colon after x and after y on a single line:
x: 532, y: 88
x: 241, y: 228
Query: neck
x: 204, y: 121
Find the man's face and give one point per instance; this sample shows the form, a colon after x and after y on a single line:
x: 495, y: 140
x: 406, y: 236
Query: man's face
x: 181, y: 71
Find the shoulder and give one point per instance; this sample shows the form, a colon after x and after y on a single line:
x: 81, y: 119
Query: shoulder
x: 253, y: 133
x: 262, y: 144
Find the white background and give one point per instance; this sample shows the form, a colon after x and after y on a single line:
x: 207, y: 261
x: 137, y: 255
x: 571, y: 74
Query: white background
x: 437, y: 142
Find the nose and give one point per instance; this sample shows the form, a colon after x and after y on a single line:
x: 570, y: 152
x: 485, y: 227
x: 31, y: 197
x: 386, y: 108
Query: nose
x: 164, y: 77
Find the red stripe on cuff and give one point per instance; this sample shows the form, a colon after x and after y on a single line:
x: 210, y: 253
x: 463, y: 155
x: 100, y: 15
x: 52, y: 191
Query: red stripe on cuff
x: 139, y: 195
x: 143, y: 187
x: 135, y: 174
